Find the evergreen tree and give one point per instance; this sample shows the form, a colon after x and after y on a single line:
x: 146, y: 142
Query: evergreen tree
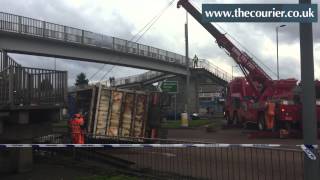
x: 81, y: 79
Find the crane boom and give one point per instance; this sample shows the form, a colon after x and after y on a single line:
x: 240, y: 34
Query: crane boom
x: 252, y: 71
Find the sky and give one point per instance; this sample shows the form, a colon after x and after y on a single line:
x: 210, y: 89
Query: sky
x: 124, y: 19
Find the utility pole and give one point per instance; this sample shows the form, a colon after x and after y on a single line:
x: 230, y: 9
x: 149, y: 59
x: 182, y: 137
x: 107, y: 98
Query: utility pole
x: 277, y: 37
x: 308, y: 96
x: 187, y: 107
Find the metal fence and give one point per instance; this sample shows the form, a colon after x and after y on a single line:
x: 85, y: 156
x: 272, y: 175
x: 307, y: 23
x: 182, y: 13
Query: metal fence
x: 22, y: 86
x: 38, y: 28
x: 215, y: 162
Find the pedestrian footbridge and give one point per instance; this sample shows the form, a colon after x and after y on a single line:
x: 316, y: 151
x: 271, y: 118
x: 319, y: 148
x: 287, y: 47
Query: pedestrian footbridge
x: 25, y: 35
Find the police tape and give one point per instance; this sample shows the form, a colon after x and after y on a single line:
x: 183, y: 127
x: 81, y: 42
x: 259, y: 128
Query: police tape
x: 309, y: 151
x: 304, y: 147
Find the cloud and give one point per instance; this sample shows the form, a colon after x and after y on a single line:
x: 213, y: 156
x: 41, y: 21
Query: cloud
x: 122, y: 18
x: 61, y: 12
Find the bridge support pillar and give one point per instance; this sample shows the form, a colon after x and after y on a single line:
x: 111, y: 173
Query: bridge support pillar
x: 7, y: 161
x: 16, y: 160
x: 25, y: 160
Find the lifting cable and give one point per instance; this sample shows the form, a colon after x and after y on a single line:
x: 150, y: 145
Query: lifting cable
x: 242, y: 46
x: 143, y: 31
x: 232, y: 37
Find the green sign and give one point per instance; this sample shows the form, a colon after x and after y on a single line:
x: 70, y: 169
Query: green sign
x: 169, y: 86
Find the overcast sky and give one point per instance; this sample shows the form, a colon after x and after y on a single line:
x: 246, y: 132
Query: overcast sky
x: 124, y: 18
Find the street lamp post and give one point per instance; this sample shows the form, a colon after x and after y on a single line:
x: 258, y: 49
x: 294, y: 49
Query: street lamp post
x: 232, y: 70
x: 187, y: 102
x: 309, y: 114
x: 277, y: 32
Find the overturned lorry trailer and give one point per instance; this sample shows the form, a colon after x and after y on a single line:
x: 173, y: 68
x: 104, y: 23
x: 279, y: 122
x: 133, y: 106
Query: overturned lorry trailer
x: 111, y: 112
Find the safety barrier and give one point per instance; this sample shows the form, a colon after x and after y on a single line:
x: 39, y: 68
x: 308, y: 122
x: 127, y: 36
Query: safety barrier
x: 245, y: 163
x: 176, y: 159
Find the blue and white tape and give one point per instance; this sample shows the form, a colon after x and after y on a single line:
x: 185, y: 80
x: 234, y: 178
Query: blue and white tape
x: 308, y: 149
x: 304, y: 147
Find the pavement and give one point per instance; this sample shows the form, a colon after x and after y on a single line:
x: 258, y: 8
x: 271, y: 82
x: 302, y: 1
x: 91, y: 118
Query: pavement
x: 229, y: 136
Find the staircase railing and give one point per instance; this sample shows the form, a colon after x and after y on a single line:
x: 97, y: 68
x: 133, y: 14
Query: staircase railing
x: 207, y: 65
x: 138, y: 78
x: 23, y: 86
x: 6, y: 61
x: 4, y: 91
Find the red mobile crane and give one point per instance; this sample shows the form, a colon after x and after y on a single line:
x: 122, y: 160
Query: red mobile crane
x: 255, y: 98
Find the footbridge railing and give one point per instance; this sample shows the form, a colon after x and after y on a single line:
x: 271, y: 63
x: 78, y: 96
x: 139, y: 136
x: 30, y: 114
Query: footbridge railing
x: 37, y: 28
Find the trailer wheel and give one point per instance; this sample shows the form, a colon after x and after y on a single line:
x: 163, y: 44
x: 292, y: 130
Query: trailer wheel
x: 235, y: 118
x: 261, y: 123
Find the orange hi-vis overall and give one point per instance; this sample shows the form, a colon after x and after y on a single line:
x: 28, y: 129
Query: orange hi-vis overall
x: 270, y: 115
x: 76, y: 132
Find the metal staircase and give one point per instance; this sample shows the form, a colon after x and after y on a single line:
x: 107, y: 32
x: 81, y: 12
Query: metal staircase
x: 24, y: 87
x: 214, y: 70
x: 150, y: 77
x: 5, y: 63
x: 3, y: 88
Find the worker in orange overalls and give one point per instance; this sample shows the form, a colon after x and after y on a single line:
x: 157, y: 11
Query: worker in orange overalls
x: 77, y: 133
x: 270, y: 115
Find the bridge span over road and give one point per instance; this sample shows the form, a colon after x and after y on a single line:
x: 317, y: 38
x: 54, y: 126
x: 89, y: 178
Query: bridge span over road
x: 25, y: 35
